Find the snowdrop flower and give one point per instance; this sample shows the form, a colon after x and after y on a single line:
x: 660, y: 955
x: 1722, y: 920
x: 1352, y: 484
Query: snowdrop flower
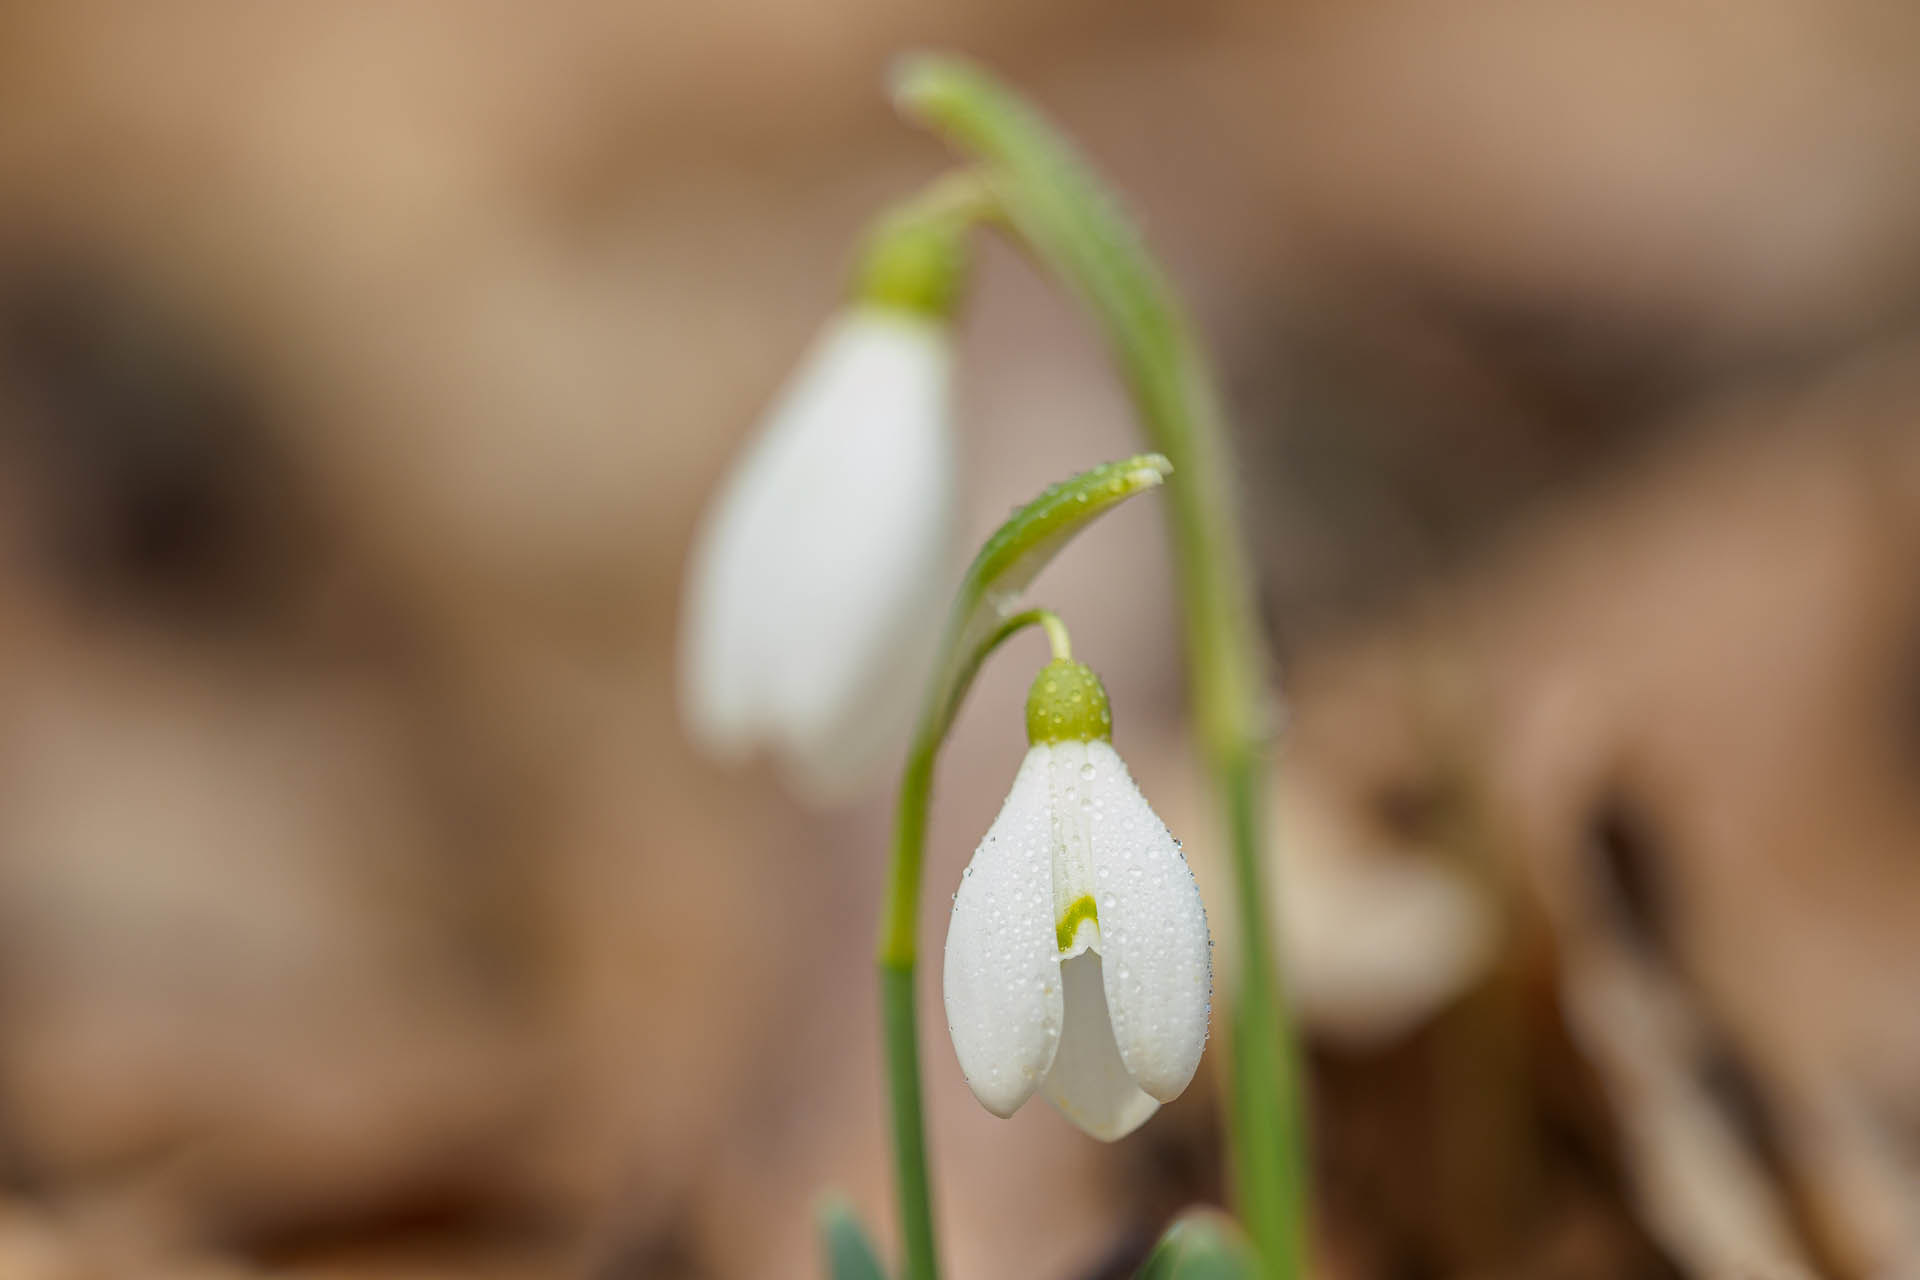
x: 815, y: 590
x: 1077, y: 959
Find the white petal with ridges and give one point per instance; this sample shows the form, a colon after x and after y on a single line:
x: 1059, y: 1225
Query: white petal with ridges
x: 815, y: 588
x: 1157, y: 965
x: 1089, y: 1084
x: 1002, y: 980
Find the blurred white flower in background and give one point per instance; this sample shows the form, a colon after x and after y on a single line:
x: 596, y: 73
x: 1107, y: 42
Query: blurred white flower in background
x: 817, y: 585
x: 1078, y: 961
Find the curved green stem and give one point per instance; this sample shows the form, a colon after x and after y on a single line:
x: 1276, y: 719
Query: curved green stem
x: 1072, y: 224
x: 979, y: 624
x: 1057, y: 639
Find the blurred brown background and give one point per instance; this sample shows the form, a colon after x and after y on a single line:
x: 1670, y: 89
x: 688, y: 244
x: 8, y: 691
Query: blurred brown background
x: 363, y: 368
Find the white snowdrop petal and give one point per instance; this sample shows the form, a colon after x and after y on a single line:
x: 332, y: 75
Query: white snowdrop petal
x: 1002, y: 981
x: 721, y: 666
x: 817, y: 581
x: 862, y: 575
x: 1089, y: 1084
x: 1153, y: 933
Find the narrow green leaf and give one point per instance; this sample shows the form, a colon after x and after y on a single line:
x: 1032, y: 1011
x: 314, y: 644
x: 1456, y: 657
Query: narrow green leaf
x: 1203, y: 1245
x: 849, y: 1254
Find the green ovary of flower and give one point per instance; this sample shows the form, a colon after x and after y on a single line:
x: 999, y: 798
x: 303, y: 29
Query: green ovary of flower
x: 1068, y: 704
x: 913, y: 264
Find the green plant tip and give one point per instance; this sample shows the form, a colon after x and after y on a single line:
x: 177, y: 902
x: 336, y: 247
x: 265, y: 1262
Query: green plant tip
x: 1068, y: 704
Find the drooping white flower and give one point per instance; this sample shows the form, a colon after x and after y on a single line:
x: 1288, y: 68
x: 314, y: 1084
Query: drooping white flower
x: 1077, y: 959
x: 815, y: 590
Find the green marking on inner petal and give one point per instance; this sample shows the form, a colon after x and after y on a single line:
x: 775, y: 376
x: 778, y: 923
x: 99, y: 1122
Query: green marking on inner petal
x: 1069, y: 924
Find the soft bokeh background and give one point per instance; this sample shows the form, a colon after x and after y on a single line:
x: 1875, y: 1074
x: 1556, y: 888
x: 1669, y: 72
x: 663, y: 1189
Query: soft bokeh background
x: 363, y: 368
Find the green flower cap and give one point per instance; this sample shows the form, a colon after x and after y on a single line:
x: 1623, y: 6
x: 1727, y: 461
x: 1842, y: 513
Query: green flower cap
x: 916, y: 264
x: 1068, y: 704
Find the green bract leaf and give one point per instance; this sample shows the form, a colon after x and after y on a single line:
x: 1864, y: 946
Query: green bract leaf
x: 1033, y: 535
x: 849, y: 1254
x: 1202, y: 1245
x: 1017, y: 552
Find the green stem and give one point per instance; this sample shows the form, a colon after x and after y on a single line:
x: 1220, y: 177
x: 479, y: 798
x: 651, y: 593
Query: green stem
x: 899, y: 1018
x: 1071, y: 223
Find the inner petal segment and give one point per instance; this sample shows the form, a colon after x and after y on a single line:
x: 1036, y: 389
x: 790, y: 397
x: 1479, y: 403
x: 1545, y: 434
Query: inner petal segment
x: 1088, y: 1083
